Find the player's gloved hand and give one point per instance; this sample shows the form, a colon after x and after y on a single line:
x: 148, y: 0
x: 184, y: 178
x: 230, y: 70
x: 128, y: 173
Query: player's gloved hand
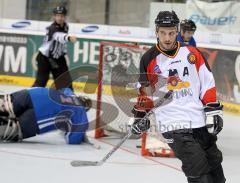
x: 214, y: 117
x: 86, y: 102
x: 140, y: 123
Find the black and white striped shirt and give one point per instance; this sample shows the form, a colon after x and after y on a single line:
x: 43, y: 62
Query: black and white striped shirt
x: 55, y: 42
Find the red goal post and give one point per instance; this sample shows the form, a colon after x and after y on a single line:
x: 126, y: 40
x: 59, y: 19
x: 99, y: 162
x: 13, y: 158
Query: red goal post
x: 125, y: 56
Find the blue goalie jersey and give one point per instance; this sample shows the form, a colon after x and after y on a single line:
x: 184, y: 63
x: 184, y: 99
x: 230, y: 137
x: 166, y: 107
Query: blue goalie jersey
x: 59, y: 110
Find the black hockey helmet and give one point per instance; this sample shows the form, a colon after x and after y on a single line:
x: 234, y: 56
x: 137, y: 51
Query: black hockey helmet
x: 60, y: 10
x: 166, y: 19
x: 188, y: 25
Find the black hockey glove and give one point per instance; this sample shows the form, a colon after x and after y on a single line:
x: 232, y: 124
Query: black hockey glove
x: 139, y: 125
x: 85, y: 101
x: 214, y: 117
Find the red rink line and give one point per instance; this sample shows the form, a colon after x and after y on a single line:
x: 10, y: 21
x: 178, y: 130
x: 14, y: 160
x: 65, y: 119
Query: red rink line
x: 105, y: 142
x: 66, y: 159
x: 148, y: 158
x: 34, y: 156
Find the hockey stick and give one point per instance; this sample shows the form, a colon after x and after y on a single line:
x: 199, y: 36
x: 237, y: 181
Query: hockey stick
x: 78, y: 163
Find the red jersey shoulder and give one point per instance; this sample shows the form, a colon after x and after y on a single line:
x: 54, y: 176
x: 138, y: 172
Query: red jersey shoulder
x: 196, y: 57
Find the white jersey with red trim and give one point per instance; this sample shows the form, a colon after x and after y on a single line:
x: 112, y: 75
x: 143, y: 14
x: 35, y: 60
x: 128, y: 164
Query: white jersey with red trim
x: 190, y: 79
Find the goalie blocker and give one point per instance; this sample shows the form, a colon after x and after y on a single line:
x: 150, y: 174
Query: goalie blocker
x: 30, y: 112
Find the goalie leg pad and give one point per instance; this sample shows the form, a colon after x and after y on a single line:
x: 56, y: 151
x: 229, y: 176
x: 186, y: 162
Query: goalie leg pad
x: 3, y: 111
x: 6, y: 106
x: 10, y: 130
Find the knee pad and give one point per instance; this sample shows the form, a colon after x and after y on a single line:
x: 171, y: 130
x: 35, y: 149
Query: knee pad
x: 214, y: 156
x: 206, y: 178
x: 218, y: 175
x: 196, y: 164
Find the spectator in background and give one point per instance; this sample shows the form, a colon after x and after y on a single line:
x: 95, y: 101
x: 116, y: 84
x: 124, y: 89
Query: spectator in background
x: 187, y: 30
x: 51, y: 56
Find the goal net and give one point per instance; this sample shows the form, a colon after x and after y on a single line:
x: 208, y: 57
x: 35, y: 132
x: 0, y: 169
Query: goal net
x: 118, y: 73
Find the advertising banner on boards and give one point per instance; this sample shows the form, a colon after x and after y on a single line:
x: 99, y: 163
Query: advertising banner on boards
x: 216, y: 16
x: 18, y: 53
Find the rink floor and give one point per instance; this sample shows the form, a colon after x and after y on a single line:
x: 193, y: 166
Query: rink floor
x: 46, y: 159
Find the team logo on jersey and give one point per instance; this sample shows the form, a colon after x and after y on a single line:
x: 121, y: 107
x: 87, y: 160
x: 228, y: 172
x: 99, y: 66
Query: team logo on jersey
x: 157, y: 69
x: 175, y: 83
x: 191, y: 58
x: 180, y: 88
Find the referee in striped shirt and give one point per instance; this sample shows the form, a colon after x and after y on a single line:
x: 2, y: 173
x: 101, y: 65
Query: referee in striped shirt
x: 51, y: 56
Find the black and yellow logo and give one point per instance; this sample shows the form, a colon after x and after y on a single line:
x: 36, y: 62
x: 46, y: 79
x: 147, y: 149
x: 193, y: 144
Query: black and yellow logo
x: 175, y: 83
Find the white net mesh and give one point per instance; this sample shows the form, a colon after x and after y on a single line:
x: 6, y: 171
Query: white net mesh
x: 119, y: 73
x: 120, y: 68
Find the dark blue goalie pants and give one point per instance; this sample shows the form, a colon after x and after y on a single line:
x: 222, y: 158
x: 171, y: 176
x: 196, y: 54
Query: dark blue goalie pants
x: 24, y: 111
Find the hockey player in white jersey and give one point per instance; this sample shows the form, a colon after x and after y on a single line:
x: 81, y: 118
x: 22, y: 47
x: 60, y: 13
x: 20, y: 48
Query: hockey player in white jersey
x: 194, y: 117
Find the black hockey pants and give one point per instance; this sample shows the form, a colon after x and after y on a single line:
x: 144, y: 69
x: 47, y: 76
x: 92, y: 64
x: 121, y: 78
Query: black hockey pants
x: 58, y: 68
x: 197, y: 149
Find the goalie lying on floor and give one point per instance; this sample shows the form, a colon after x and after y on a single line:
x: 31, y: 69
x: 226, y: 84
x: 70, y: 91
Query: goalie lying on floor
x: 29, y: 112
